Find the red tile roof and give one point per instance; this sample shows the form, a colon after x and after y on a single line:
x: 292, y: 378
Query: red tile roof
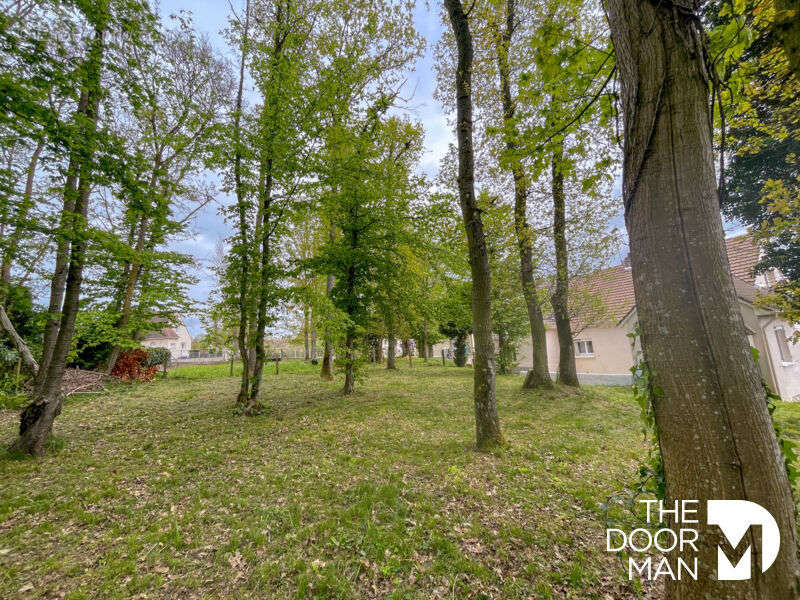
x: 743, y: 256
x: 164, y: 334
x: 615, y: 284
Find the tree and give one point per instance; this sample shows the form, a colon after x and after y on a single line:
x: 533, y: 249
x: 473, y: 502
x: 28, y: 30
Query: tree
x: 539, y: 375
x: 714, y: 429
x: 37, y: 418
x: 487, y: 422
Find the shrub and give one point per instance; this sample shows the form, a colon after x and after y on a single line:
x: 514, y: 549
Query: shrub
x: 158, y: 357
x: 132, y: 366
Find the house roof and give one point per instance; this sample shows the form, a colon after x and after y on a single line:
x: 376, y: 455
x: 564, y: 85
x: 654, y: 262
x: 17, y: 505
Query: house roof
x: 615, y: 284
x: 742, y: 256
x: 163, y: 334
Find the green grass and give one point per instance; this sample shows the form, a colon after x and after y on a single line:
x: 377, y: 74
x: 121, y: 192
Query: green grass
x: 160, y: 491
x: 217, y: 371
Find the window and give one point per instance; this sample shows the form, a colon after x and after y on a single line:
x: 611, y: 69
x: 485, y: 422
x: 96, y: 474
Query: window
x: 584, y: 348
x: 783, y: 345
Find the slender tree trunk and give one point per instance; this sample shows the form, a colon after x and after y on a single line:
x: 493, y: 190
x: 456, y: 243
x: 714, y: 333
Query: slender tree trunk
x: 130, y: 286
x: 22, y: 348
x: 241, y: 203
x: 716, y: 436
x: 306, y: 334
x: 424, y: 346
x: 36, y: 420
x: 391, y: 348
x: 567, y: 373
x: 326, y: 372
x: 11, y: 246
x: 327, y: 356
x: 59, y: 280
x: 539, y: 375
x: 313, y: 341
x: 349, y: 368
x: 487, y: 423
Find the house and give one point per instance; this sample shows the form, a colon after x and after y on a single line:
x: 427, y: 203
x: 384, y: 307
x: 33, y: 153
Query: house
x: 603, y: 350
x: 177, y: 340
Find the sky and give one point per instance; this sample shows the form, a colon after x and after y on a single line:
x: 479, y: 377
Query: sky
x: 210, y: 17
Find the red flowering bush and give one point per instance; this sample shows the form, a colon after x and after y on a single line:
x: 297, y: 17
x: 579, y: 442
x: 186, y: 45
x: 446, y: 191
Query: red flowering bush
x: 132, y: 366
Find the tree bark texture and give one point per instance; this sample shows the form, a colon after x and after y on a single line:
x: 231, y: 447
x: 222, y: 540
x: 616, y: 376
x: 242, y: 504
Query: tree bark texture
x: 567, y: 373
x: 716, y: 436
x: 487, y: 422
x: 539, y: 375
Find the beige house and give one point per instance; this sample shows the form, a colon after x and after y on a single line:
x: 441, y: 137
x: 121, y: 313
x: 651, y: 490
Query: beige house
x: 603, y: 351
x: 177, y: 340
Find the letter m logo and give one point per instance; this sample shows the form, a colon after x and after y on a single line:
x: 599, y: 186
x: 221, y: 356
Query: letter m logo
x: 734, y: 518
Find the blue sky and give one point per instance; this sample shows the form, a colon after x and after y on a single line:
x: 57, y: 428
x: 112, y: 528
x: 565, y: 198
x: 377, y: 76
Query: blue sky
x: 210, y: 17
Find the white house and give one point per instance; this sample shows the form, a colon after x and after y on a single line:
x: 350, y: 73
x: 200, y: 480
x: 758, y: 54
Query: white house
x: 603, y: 352
x: 177, y: 340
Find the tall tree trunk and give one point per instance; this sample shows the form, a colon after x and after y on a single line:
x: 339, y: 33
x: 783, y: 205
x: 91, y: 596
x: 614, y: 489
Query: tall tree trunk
x: 59, y: 280
x: 130, y: 285
x: 567, y: 373
x: 327, y: 354
x: 36, y: 420
x: 424, y: 345
x: 391, y: 347
x: 539, y: 375
x: 11, y: 246
x: 313, y: 340
x: 244, y: 267
x: 306, y: 334
x: 487, y: 423
x: 715, y: 432
x: 263, y: 227
x: 349, y: 367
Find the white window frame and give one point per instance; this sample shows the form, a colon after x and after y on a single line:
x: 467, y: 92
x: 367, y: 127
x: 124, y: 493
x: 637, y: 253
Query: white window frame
x: 578, y: 353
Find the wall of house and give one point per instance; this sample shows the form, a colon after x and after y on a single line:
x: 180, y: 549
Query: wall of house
x: 786, y: 380
x: 178, y: 348
x: 612, y: 351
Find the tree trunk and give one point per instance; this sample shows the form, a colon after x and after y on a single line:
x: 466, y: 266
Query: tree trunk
x: 349, y: 368
x: 59, y: 280
x: 10, y: 248
x: 391, y: 347
x: 715, y: 432
x: 327, y: 357
x: 567, y: 373
x: 313, y: 341
x: 244, y: 267
x: 487, y: 423
x: 539, y: 375
x: 306, y: 334
x: 424, y: 346
x: 36, y: 420
x: 22, y: 348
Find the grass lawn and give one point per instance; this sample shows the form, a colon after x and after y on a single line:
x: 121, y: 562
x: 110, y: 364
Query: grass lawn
x: 160, y: 491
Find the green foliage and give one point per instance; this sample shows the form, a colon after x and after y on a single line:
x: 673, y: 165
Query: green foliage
x: 158, y: 357
x: 785, y: 443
